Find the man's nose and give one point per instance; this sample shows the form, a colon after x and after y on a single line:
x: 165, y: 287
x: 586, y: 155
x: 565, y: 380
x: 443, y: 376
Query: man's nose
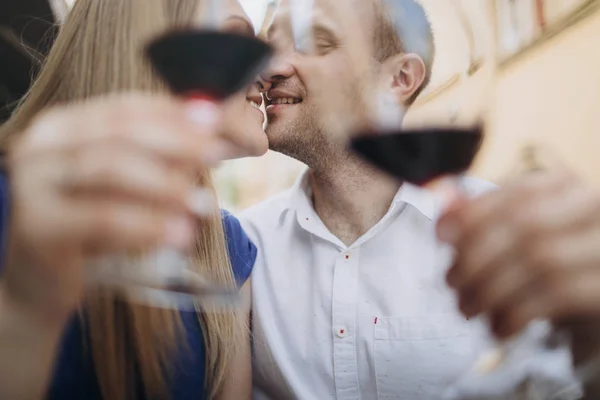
x: 279, y: 69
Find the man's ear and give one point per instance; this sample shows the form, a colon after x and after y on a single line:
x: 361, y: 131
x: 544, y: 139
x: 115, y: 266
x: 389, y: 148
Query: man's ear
x: 404, y: 74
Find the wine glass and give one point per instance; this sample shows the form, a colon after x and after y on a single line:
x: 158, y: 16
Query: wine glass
x: 205, y: 63
x: 301, y: 13
x: 196, y: 64
x: 422, y: 146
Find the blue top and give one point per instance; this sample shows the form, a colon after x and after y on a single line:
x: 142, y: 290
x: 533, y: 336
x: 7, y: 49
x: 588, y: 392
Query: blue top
x: 74, y: 376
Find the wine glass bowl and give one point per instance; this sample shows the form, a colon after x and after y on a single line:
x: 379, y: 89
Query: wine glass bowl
x: 206, y: 63
x: 419, y: 140
x: 420, y: 157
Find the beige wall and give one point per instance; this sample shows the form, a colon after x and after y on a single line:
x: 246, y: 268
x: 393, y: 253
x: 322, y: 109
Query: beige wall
x: 550, y: 96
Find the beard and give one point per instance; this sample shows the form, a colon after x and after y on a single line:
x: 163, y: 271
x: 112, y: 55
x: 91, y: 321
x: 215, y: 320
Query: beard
x: 314, y: 137
x: 318, y: 133
x: 305, y: 138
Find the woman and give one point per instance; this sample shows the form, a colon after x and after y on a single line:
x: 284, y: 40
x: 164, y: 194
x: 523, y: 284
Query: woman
x: 111, y: 173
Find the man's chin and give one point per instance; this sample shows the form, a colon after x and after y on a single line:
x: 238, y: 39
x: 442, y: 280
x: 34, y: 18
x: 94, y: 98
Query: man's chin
x: 277, y: 124
x: 278, y: 133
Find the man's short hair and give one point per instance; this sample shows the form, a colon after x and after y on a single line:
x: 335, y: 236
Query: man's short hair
x: 402, y: 26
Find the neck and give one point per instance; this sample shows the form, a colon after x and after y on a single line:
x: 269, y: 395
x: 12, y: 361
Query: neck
x: 351, y: 198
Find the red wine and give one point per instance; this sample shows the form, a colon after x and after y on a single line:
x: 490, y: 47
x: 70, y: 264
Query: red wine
x: 216, y: 64
x: 420, y: 156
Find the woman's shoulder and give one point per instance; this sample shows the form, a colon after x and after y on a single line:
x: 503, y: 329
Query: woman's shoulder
x: 242, y: 252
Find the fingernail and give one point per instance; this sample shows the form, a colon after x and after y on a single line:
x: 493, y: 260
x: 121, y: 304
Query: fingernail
x: 179, y: 232
x: 202, y: 202
x: 448, y: 232
x: 202, y: 113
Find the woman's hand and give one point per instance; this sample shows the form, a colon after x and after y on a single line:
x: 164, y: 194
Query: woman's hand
x: 528, y: 251
x: 110, y: 175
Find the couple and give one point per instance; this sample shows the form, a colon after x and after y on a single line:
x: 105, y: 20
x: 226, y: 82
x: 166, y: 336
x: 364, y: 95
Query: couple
x: 348, y: 297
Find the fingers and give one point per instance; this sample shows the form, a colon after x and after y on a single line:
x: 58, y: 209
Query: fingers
x: 520, y: 202
x: 577, y: 296
x: 564, y: 270
x: 122, y: 226
x: 511, y: 221
x: 461, y: 219
x: 180, y: 133
x: 527, y: 251
x: 118, y: 170
x: 501, y: 286
x: 486, y: 247
x: 113, y: 172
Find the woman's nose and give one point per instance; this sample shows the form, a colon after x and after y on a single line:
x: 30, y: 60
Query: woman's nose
x: 263, y: 85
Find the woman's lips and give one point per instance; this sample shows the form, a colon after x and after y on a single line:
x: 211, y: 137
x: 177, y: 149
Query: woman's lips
x: 257, y: 107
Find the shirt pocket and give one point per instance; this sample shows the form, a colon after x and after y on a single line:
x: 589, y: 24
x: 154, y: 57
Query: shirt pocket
x: 417, y: 358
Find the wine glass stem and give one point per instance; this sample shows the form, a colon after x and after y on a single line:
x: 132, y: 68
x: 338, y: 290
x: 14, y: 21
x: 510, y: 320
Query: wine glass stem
x: 213, y: 14
x: 452, y: 189
x: 302, y: 12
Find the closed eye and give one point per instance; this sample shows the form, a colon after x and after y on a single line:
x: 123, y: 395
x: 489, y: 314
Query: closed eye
x: 325, y: 39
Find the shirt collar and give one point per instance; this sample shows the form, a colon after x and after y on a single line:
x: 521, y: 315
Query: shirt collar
x: 421, y: 199
x: 301, y: 193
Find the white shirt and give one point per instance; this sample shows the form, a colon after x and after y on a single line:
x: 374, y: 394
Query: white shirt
x: 374, y: 320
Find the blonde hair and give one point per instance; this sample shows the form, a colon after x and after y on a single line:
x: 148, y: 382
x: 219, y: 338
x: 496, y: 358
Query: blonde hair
x: 99, y: 51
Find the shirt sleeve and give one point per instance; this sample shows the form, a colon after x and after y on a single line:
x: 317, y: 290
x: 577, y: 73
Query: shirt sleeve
x: 242, y: 252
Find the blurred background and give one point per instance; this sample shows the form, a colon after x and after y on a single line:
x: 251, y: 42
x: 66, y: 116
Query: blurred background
x: 546, y: 94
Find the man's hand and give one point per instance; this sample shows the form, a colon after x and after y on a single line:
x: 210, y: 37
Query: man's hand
x: 528, y: 251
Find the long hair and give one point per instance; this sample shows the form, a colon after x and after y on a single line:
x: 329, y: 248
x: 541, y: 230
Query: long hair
x: 99, y: 50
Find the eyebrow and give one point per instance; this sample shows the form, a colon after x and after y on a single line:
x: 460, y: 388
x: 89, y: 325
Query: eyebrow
x: 318, y: 28
x: 248, y: 27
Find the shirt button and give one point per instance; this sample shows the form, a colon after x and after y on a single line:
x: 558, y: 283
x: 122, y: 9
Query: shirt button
x: 341, y: 332
x: 347, y: 256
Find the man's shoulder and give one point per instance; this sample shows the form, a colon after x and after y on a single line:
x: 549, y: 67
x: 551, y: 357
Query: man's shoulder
x: 265, y: 214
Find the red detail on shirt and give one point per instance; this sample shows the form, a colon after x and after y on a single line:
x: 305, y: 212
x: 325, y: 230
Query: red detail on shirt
x: 375, y: 320
x: 342, y: 331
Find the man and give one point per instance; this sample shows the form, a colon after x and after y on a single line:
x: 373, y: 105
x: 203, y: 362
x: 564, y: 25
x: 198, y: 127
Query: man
x: 349, y: 297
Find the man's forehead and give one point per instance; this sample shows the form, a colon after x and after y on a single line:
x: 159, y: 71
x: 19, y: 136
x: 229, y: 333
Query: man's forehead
x: 334, y: 14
